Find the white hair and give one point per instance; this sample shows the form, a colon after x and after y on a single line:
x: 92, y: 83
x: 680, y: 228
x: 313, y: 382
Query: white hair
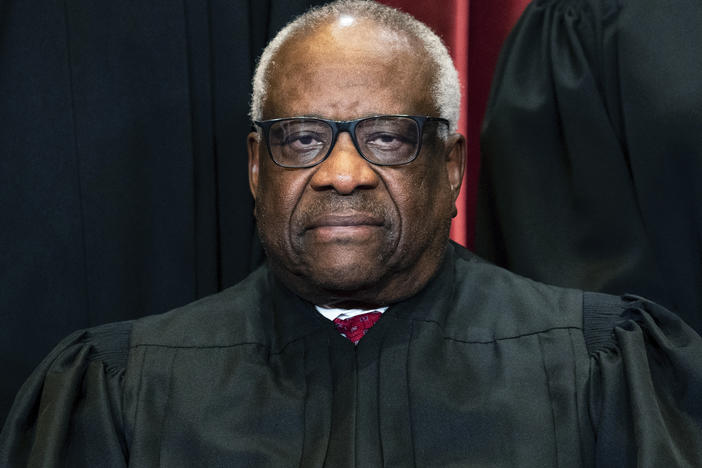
x: 446, y: 88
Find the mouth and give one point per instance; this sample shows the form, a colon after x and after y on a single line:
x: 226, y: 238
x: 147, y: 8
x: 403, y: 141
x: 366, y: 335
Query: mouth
x: 344, y: 220
x: 344, y: 227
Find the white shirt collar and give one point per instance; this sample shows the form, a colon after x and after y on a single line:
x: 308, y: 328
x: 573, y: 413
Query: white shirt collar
x: 343, y: 314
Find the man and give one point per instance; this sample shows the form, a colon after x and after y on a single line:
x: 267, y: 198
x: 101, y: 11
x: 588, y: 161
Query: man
x: 355, y: 168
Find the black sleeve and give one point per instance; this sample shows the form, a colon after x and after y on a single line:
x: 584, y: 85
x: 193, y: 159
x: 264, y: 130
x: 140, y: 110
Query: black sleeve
x: 645, y: 383
x: 69, y: 411
x: 592, y: 150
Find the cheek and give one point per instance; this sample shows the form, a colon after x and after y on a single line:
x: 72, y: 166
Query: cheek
x: 278, y: 193
x: 424, y: 203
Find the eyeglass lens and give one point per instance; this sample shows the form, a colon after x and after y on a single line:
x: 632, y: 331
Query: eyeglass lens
x: 384, y: 140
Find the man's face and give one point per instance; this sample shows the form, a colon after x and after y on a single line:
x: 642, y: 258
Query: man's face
x: 347, y: 232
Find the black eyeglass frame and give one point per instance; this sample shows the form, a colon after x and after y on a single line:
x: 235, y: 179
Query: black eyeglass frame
x: 349, y: 126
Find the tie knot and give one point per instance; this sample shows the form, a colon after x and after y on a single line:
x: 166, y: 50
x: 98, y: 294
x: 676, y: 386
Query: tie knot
x: 355, y: 327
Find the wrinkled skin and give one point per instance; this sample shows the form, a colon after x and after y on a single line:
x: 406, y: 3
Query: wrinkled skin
x: 346, y: 233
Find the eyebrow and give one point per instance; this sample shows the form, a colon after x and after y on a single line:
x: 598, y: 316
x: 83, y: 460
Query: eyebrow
x: 319, y: 116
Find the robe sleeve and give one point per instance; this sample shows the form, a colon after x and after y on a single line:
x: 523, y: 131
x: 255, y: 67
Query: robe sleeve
x: 69, y: 411
x: 645, y: 393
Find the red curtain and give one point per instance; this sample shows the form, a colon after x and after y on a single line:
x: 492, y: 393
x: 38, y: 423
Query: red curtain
x: 473, y: 30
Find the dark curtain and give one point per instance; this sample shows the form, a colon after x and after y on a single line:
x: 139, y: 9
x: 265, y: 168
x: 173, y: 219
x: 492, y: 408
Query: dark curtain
x: 592, y: 150
x: 123, y: 181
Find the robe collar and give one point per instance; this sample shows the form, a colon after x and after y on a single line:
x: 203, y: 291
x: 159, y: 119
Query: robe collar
x: 294, y: 318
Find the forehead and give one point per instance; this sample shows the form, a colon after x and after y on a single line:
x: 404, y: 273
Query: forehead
x: 345, y: 72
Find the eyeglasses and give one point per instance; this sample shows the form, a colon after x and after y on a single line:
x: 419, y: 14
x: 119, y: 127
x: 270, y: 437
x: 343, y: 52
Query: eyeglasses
x: 384, y: 140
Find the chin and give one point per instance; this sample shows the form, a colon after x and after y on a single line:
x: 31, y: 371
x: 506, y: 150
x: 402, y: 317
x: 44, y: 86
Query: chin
x: 345, y: 278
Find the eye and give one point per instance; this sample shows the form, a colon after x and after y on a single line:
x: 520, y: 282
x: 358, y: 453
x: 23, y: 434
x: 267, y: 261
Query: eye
x: 303, y: 141
x: 386, y: 141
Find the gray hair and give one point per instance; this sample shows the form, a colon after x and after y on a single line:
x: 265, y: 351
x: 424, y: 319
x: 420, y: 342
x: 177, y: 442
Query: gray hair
x: 446, y: 89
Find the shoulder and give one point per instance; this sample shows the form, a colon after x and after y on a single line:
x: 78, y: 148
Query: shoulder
x: 232, y: 316
x: 84, y: 371
x: 645, y: 376
x: 509, y: 304
x: 608, y: 320
x: 107, y: 344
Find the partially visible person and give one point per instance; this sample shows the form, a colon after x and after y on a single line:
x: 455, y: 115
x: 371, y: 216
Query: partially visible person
x: 367, y: 339
x: 592, y: 150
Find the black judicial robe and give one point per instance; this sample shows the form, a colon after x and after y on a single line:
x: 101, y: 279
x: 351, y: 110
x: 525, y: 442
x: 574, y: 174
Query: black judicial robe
x: 591, y: 171
x: 481, y: 368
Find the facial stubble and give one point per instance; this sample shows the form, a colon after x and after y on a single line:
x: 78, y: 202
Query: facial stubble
x: 353, y: 267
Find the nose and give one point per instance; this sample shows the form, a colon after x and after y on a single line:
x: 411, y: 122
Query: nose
x: 344, y: 170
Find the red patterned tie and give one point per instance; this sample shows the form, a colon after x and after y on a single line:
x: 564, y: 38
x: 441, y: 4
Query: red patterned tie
x: 355, y: 327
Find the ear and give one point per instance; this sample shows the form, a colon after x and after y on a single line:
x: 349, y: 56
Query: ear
x: 455, y: 162
x: 252, y: 146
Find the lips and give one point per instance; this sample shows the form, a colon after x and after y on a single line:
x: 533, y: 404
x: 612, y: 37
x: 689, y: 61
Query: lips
x: 341, y: 220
